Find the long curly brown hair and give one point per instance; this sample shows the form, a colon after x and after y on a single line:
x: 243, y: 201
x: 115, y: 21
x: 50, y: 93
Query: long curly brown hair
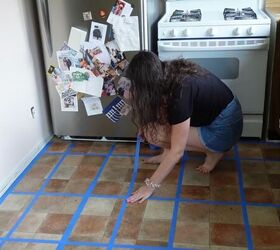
x: 152, y: 84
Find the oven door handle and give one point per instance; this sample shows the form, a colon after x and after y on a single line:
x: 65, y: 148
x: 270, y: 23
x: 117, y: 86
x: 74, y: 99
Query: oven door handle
x: 168, y: 48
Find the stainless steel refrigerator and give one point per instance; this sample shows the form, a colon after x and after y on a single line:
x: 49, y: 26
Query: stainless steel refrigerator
x: 56, y: 18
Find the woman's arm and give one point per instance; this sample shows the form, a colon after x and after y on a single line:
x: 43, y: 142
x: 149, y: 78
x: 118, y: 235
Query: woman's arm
x: 179, y: 137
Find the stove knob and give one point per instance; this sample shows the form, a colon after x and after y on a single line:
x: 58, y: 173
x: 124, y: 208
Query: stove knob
x: 173, y: 33
x: 186, y: 32
x: 236, y: 32
x: 250, y: 31
x: 211, y: 32
x: 165, y: 33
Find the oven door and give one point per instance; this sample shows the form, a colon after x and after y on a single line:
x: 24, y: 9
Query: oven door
x: 240, y: 63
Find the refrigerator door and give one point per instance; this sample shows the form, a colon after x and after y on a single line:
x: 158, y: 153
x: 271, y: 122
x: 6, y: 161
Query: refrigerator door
x: 56, y: 19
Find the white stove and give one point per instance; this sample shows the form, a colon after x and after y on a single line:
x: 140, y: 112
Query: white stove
x: 243, y: 19
x: 230, y: 39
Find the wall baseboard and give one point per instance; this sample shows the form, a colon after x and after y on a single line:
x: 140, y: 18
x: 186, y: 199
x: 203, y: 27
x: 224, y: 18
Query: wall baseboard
x: 22, y: 165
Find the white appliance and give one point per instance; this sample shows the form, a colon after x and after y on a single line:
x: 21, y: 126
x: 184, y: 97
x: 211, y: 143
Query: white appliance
x: 231, y: 39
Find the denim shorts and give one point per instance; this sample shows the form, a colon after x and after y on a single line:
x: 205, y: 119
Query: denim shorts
x: 225, y: 130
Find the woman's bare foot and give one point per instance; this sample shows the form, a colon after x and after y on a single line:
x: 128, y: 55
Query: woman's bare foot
x: 156, y: 159
x: 210, y: 162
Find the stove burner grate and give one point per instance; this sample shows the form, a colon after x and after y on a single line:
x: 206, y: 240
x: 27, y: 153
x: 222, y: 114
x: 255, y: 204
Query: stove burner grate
x: 188, y: 16
x: 236, y: 14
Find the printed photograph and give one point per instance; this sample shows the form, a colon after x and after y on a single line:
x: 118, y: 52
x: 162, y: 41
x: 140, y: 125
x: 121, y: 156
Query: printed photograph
x: 98, y: 32
x: 95, y: 50
x: 68, y: 58
x: 93, y: 105
x: 120, y: 8
x: 108, y: 86
x: 69, y: 100
x: 122, y: 85
x: 116, y: 55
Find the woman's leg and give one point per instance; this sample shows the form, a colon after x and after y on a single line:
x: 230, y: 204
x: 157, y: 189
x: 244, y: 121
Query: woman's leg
x: 194, y: 144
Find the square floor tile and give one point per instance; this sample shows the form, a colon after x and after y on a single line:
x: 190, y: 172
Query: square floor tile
x: 271, y: 152
x: 266, y: 237
x: 250, y: 150
x: 58, y: 146
x: 55, y: 224
x: 111, y: 188
x: 159, y: 210
x: 227, y: 235
x: 157, y: 234
x: 195, y: 234
x: 101, y: 147
x: 15, y: 203
x: 7, y: 220
x: 96, y: 227
x: 56, y: 204
x: 272, y: 167
x: 131, y: 223
x: 265, y: 216
x: 29, y: 184
x: 193, y: 213
x: 226, y: 214
x: 34, y: 246
x: 14, y: 246
x: 194, y: 177
x: 253, y: 167
x: 99, y: 207
x: 43, y: 166
x: 31, y: 223
x: 259, y: 195
x: 125, y: 148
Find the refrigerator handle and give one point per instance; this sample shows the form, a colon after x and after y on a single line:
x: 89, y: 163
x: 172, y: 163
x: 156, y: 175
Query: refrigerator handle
x: 44, y: 8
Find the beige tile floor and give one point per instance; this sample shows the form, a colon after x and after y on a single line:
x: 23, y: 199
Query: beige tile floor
x: 73, y: 197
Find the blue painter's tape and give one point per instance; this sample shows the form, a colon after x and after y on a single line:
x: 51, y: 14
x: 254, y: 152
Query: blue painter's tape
x: 33, y: 241
x: 256, y: 204
x: 209, y: 202
x: 243, y: 200
x: 84, y: 243
x: 176, y: 205
x: 130, y: 189
x: 82, y: 204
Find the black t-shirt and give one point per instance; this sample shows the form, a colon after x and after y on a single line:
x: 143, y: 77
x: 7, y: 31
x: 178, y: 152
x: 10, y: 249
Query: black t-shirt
x: 200, y: 97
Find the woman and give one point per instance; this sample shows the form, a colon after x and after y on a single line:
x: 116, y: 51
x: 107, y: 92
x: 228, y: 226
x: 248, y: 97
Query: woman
x: 180, y: 106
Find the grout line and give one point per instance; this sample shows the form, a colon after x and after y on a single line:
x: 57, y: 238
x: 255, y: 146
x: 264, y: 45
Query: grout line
x: 243, y: 200
x: 20, y: 177
x: 83, y: 202
x: 227, y: 158
x: 209, y: 202
x: 177, y: 200
x: 183, y: 200
x: 256, y: 204
x: 36, y: 196
x: 85, y: 243
x: 124, y: 203
x: 33, y: 240
x: 148, y: 247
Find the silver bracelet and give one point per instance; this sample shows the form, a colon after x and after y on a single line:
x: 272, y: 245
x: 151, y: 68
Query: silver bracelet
x: 149, y: 183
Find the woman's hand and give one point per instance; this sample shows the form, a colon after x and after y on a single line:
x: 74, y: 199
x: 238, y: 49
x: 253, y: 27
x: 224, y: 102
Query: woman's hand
x: 141, y: 194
